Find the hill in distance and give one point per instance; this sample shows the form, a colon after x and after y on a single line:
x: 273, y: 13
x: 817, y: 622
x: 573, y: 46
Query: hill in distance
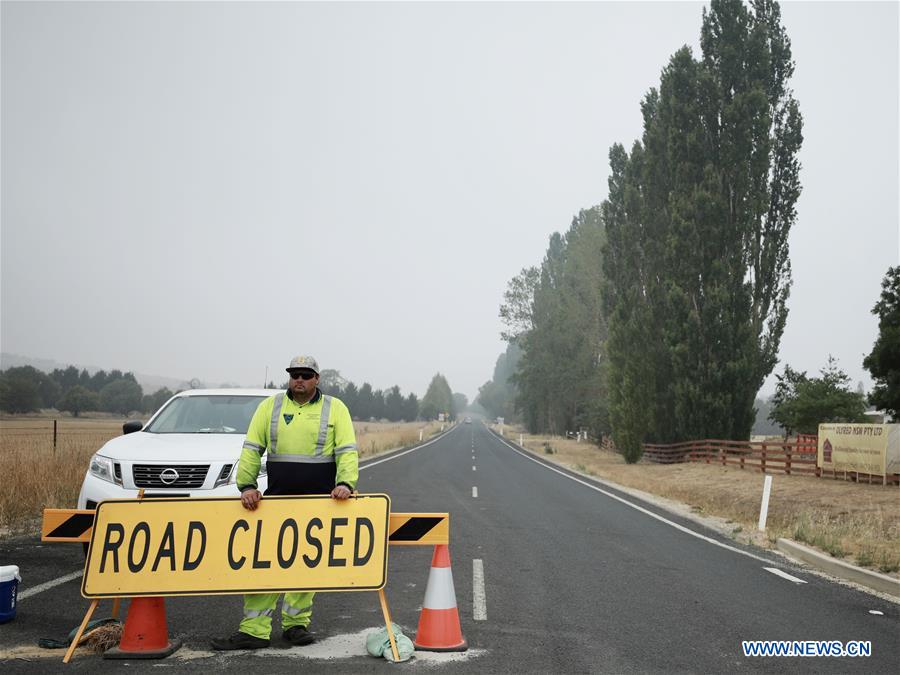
x: 149, y: 383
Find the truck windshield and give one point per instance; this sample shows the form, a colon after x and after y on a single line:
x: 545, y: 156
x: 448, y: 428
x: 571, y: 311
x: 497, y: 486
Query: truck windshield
x: 206, y: 415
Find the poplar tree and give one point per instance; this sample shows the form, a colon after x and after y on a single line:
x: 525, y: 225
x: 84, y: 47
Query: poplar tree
x: 698, y: 218
x: 559, y: 382
x: 884, y: 360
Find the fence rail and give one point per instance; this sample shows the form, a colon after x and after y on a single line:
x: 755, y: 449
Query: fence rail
x: 797, y: 456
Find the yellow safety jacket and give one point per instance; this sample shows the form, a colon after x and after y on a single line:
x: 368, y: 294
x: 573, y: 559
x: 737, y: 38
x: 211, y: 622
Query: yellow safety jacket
x: 311, y: 447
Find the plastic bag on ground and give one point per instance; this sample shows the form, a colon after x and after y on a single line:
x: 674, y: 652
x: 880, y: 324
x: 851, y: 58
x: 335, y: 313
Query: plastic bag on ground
x: 379, y: 644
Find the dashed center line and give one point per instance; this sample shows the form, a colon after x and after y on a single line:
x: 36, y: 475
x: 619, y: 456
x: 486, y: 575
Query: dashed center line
x: 473, y: 467
x: 475, y: 492
x: 479, y: 602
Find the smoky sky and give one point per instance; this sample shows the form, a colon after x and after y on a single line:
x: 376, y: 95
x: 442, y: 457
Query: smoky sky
x: 208, y: 189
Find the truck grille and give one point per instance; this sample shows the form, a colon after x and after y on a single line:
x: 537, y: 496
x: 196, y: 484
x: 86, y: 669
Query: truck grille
x: 151, y: 475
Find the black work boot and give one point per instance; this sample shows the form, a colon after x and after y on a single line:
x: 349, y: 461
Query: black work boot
x: 298, y: 635
x: 239, y: 640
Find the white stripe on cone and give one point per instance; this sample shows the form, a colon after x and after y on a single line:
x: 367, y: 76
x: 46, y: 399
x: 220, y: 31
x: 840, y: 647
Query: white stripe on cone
x: 440, y: 593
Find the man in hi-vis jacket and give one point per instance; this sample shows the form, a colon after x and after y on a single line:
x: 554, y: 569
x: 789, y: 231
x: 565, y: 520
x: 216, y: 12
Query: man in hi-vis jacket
x: 311, y: 450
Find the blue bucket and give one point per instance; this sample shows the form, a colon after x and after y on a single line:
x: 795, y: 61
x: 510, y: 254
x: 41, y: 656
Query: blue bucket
x: 9, y: 588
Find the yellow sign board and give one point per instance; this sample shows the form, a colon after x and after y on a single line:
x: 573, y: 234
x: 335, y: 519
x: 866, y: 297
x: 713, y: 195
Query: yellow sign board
x: 861, y: 448
x: 162, y: 547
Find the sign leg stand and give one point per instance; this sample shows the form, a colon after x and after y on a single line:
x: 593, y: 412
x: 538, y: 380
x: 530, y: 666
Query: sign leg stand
x: 77, y: 638
x: 387, y: 623
x: 115, y: 607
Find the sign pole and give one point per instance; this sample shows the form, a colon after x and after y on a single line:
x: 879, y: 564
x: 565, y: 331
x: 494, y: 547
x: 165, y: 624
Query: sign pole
x: 387, y: 623
x: 77, y: 638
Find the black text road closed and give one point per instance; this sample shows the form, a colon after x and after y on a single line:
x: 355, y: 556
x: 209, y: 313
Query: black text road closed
x: 212, y: 546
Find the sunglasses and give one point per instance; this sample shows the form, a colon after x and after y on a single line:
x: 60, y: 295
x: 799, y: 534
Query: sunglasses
x: 302, y: 374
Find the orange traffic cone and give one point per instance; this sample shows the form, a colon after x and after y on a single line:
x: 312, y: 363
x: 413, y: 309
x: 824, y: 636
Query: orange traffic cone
x: 439, y: 629
x: 145, y: 635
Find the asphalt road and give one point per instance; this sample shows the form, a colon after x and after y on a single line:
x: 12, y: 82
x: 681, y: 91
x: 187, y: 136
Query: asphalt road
x: 577, y: 578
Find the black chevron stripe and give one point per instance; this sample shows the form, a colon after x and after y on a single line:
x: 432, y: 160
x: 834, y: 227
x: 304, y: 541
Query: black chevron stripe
x: 74, y: 526
x: 414, y: 529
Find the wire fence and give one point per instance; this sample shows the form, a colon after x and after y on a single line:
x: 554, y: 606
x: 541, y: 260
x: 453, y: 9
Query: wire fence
x: 54, y: 430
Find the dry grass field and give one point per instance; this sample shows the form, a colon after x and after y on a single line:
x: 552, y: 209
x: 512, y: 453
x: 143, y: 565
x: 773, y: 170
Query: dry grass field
x: 37, y: 476
x: 854, y: 521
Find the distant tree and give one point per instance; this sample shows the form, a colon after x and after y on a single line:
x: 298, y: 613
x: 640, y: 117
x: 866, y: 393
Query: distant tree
x: 498, y: 395
x: 350, y: 396
x: 460, y: 402
x: 78, y: 400
x: 20, y: 390
x: 365, y: 409
x: 393, y: 404
x: 801, y: 403
x: 99, y: 380
x: 764, y: 425
x: 153, y: 402
x: 65, y: 378
x: 331, y: 381
x: 516, y: 310
x: 438, y: 399
x: 121, y: 396
x: 560, y: 379
x: 378, y: 409
x: 411, y: 408
x: 884, y: 360
x: 50, y: 390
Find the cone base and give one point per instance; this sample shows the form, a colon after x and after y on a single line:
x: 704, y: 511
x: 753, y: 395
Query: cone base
x: 461, y: 647
x: 117, y: 653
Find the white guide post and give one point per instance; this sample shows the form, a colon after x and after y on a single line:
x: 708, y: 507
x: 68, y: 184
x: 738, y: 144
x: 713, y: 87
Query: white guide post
x: 764, y: 507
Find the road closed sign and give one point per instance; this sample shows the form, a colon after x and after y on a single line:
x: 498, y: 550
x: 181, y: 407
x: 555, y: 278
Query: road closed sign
x: 161, y: 547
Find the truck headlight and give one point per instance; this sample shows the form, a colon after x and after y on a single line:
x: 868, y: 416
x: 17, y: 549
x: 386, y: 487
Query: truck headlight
x: 102, y: 468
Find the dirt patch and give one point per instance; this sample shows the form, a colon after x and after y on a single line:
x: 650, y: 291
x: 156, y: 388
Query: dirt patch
x: 857, y: 522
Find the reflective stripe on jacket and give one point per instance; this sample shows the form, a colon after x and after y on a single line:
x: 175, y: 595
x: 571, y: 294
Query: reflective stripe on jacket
x: 311, y: 447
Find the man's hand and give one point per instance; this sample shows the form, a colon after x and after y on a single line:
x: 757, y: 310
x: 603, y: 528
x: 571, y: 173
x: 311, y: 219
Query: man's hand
x: 250, y: 499
x: 341, y: 492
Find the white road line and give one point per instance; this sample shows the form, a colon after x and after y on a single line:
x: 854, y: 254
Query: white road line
x: 474, y: 492
x: 784, y: 575
x: 479, y: 604
x: 647, y: 512
x: 28, y: 592
x: 473, y: 467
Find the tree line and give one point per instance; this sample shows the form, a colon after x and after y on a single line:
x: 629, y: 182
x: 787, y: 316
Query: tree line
x: 26, y: 389
x: 364, y: 402
x: 657, y: 316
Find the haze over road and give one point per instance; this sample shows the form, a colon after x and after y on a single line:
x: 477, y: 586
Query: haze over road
x: 575, y: 580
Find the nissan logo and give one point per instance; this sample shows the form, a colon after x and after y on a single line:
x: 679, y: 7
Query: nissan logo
x: 168, y: 476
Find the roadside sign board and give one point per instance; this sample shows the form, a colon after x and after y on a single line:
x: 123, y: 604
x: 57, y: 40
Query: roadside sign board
x: 181, y: 546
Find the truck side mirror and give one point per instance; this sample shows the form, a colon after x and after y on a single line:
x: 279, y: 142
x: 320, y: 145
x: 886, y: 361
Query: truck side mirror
x: 132, y: 426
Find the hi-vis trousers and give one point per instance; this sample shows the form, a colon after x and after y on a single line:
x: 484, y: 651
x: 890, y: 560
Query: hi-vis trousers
x: 296, y: 610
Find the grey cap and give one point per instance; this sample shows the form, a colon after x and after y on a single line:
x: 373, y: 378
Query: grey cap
x: 299, y: 362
